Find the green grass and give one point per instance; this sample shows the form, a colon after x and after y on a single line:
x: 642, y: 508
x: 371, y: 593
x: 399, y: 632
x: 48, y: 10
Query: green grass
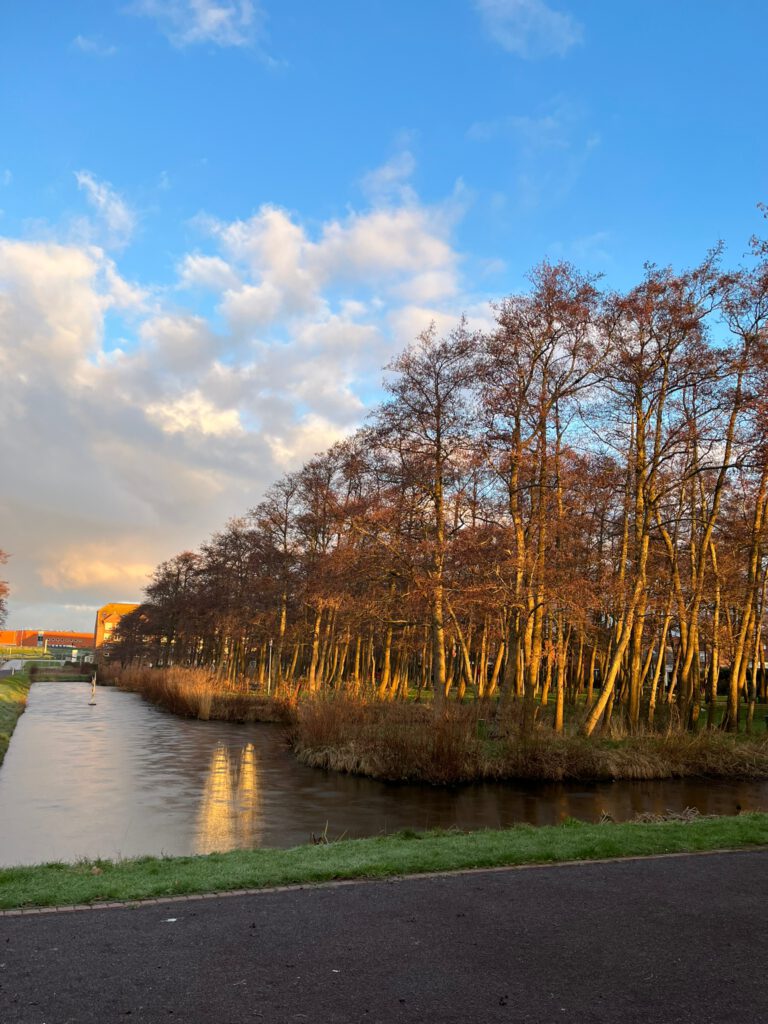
x: 405, y: 853
x: 13, y: 700
x: 25, y: 653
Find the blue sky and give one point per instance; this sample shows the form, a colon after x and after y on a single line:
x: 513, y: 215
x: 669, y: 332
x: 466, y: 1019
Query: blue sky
x: 220, y: 217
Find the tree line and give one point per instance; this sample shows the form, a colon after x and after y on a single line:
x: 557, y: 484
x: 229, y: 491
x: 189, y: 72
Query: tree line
x: 568, y: 508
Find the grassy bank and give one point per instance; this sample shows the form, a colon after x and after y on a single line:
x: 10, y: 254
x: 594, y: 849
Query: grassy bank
x: 13, y: 700
x: 406, y: 853
x: 9, y: 652
x: 402, y: 742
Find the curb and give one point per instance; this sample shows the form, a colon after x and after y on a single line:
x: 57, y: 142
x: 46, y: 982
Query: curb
x: 343, y: 882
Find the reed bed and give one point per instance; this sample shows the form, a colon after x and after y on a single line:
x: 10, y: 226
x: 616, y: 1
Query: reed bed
x: 198, y: 693
x: 401, y: 742
x: 405, y: 741
x: 388, y: 741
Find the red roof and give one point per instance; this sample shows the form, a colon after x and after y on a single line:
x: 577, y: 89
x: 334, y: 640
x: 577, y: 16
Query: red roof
x: 54, y: 638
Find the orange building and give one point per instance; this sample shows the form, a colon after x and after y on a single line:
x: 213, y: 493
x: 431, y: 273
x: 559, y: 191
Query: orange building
x: 107, y: 619
x: 45, y: 638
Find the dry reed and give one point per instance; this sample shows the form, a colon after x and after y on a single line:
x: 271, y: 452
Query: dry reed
x: 466, y: 743
x: 198, y: 693
x: 407, y: 742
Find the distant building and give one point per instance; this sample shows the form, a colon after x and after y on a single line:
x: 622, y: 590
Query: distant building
x: 60, y: 643
x: 107, y: 619
x: 46, y: 639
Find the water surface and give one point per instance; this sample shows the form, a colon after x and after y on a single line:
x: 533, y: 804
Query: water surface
x: 124, y: 778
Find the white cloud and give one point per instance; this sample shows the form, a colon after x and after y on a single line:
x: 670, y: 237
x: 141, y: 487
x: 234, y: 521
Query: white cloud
x: 194, y: 413
x: 125, y: 451
x: 50, y: 311
x: 253, y: 307
x: 386, y: 242
x: 209, y: 272
x: 530, y: 28
x: 6, y: 177
x: 114, y: 214
x: 404, y: 250
x: 431, y: 286
x: 390, y: 181
x: 179, y: 344
x: 93, y: 564
x: 187, y: 22
x: 313, y: 434
x: 93, y: 46
x: 124, y: 294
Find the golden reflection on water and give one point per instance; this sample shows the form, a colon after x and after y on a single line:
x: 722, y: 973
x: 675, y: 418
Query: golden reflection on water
x: 229, y: 816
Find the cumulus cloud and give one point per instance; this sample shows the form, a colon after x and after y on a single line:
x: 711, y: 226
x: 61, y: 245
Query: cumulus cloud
x: 388, y: 242
x: 114, y: 215
x: 123, y: 453
x: 220, y: 22
x: 402, y: 250
x: 311, y: 435
x: 177, y: 344
x: 209, y: 272
x: 38, y: 281
x: 530, y: 28
x: 193, y: 412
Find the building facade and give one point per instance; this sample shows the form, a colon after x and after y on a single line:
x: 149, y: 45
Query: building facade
x: 107, y: 619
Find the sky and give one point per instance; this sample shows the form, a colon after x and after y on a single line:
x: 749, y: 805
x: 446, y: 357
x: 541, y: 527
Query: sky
x: 219, y: 219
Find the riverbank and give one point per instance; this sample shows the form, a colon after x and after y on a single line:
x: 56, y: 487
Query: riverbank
x: 405, y: 741
x: 59, y: 674
x: 473, y: 743
x: 406, y: 853
x: 13, y: 699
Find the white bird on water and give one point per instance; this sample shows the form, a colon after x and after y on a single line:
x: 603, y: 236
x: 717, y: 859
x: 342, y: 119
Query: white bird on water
x: 93, y: 690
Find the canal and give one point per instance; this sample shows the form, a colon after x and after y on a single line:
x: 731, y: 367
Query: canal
x: 123, y: 778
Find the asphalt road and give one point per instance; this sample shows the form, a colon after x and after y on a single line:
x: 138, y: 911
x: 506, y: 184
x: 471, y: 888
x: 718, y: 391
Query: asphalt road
x: 662, y: 941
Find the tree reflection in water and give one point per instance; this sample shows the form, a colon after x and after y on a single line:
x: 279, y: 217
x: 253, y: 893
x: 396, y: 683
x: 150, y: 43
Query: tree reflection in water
x: 229, y: 816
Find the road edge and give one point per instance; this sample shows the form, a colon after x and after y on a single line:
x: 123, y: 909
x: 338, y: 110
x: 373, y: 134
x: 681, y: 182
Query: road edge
x: 385, y: 879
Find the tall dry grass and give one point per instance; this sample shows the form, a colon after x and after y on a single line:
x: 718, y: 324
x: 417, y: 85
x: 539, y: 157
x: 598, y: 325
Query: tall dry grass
x: 198, y: 693
x: 401, y: 742
x: 388, y: 741
x: 467, y: 743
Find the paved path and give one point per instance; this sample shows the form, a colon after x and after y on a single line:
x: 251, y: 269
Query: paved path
x: 659, y: 941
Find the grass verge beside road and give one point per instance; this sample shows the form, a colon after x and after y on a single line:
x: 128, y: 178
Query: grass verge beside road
x: 405, y: 853
x: 13, y: 700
